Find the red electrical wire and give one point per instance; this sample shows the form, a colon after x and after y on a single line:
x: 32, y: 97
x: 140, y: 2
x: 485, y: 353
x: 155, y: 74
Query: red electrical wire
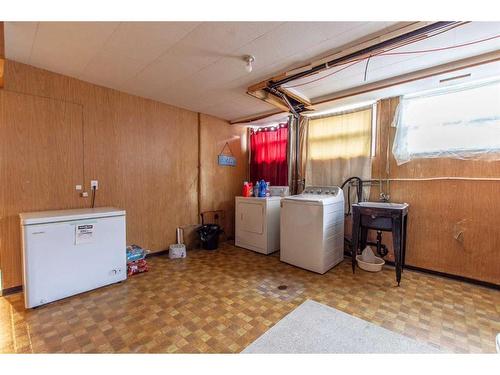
x: 398, y: 45
x: 386, y: 53
x: 328, y: 75
x: 442, y: 48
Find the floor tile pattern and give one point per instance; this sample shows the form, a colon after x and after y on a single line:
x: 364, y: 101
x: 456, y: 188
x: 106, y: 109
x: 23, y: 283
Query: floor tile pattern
x: 220, y: 301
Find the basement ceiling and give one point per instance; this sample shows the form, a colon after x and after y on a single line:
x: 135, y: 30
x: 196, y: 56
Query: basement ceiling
x: 193, y: 65
x: 199, y: 66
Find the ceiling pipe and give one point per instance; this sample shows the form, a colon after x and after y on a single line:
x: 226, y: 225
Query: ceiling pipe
x: 364, y: 51
x: 287, y: 102
x: 468, y: 62
x: 433, y: 71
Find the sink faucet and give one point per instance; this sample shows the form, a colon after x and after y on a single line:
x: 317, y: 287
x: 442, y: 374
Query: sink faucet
x: 384, y: 197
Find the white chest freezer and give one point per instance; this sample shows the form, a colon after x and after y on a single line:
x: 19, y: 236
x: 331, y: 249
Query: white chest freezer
x: 67, y: 252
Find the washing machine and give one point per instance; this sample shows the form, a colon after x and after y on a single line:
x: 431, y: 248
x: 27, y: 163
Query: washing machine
x: 312, y: 228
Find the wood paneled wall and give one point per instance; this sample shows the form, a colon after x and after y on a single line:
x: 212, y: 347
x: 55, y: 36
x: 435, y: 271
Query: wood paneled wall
x: 57, y: 132
x: 220, y: 184
x: 36, y: 134
x: 440, y: 210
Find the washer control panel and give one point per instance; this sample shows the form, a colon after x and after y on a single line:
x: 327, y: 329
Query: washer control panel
x: 327, y: 190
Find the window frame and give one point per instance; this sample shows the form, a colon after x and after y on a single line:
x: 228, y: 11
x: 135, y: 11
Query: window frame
x: 473, y: 152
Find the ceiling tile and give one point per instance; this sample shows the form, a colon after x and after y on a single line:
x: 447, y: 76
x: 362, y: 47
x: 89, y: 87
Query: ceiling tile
x: 67, y: 47
x: 106, y: 70
x: 146, y: 41
x: 210, y: 43
x: 20, y: 37
x: 218, y: 39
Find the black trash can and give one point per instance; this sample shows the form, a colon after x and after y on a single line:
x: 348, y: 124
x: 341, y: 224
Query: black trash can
x: 209, y: 236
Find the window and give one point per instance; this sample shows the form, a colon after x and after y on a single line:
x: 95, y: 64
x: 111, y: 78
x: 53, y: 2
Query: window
x: 460, y: 122
x: 339, y: 146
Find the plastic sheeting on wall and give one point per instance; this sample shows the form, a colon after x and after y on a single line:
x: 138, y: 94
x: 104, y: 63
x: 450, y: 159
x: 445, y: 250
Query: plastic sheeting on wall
x: 461, y: 122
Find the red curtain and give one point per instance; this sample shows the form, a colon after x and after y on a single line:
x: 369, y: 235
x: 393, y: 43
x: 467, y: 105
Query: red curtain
x: 268, y: 155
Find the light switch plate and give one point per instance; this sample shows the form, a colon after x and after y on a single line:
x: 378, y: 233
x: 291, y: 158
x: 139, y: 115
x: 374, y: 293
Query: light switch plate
x: 78, y: 187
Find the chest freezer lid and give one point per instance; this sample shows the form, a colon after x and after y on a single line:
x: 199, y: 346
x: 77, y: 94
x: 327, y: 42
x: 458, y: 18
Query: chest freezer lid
x: 43, y: 217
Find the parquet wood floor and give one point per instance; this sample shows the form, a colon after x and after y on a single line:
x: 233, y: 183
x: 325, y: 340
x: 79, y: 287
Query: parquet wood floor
x: 221, y: 301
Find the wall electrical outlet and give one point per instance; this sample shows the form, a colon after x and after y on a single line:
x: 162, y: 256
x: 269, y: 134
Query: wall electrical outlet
x: 78, y: 187
x: 94, y: 183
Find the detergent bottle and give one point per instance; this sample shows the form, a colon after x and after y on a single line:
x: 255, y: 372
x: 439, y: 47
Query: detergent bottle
x: 256, y: 189
x: 262, y: 188
x: 245, y: 189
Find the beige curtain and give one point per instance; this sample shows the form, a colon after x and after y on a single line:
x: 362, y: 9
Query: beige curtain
x: 339, y: 147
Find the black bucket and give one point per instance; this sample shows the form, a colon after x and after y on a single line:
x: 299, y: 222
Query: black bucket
x: 209, y: 236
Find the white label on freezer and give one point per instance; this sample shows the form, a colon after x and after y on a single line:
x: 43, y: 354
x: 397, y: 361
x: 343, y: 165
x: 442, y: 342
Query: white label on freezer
x: 84, y: 233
